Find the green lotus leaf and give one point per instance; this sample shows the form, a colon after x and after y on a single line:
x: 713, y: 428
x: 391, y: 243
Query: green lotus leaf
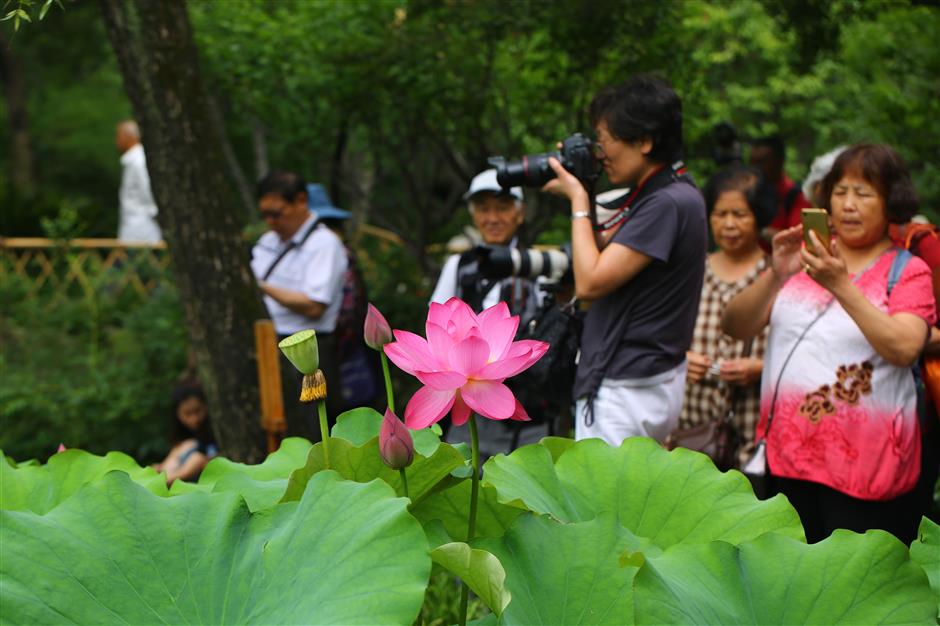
x: 846, y: 579
x: 39, y: 488
x: 290, y: 455
x: 566, y: 573
x: 347, y: 553
x: 925, y: 551
x: 363, y: 463
x: 478, y: 569
x: 451, y: 507
x: 358, y: 426
x: 668, y: 497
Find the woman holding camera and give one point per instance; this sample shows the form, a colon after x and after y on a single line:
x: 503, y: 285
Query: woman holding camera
x: 847, y: 321
x: 644, y: 284
x: 724, y: 373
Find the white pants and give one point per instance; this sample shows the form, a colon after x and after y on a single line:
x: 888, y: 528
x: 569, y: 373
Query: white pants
x: 633, y: 407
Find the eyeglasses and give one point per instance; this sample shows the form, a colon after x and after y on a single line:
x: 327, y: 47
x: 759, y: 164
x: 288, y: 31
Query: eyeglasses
x: 271, y: 214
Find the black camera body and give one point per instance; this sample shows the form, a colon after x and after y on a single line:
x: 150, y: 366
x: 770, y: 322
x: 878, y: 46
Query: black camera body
x: 576, y: 156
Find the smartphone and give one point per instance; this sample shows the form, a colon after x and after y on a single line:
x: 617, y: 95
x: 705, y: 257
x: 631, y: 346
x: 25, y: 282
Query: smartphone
x: 816, y: 220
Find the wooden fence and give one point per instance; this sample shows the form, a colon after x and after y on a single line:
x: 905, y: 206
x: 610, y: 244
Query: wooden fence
x: 82, y: 267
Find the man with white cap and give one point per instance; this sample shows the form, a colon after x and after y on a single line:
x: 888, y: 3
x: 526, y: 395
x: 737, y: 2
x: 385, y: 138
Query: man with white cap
x: 497, y: 214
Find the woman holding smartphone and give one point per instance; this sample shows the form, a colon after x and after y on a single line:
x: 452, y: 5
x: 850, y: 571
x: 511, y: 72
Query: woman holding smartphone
x: 722, y: 370
x: 847, y: 322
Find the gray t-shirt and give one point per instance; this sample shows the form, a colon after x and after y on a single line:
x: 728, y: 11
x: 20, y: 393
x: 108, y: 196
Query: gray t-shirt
x: 645, y: 327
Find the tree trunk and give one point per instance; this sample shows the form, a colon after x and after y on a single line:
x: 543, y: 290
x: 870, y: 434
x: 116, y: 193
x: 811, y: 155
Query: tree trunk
x: 231, y: 160
x: 259, y: 143
x: 155, y: 51
x: 21, y: 156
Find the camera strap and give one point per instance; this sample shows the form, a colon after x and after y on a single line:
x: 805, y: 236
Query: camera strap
x: 660, y: 177
x: 291, y: 245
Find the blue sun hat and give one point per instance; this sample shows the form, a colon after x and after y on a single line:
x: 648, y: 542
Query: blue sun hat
x: 319, y: 202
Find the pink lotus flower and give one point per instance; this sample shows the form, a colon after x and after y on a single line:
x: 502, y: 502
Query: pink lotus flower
x: 463, y: 363
x: 395, y: 443
x: 376, y: 330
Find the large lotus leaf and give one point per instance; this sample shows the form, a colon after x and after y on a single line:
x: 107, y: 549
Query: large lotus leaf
x: 39, y: 488
x: 478, y: 569
x: 925, y: 551
x: 278, y: 465
x: 262, y: 485
x: 358, y: 426
x: 668, y: 497
x: 846, y: 579
x: 347, y: 553
x: 567, y: 573
x: 364, y: 463
x: 452, y: 505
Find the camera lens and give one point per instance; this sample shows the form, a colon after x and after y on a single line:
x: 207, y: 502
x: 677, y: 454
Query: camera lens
x: 529, y: 171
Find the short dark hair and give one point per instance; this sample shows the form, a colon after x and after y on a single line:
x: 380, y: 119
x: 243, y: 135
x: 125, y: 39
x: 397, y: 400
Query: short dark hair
x: 283, y: 183
x: 643, y: 106
x: 883, y: 168
x: 761, y: 197
x: 774, y: 143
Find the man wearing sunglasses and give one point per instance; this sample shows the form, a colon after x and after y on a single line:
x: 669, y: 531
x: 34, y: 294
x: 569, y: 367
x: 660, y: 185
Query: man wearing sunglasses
x: 299, y: 264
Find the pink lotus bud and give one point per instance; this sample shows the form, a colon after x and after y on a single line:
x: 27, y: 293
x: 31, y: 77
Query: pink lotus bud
x: 61, y: 448
x: 395, y: 443
x: 377, y: 331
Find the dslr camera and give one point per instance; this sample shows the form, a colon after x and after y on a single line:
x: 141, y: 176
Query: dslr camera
x: 576, y: 156
x: 498, y: 262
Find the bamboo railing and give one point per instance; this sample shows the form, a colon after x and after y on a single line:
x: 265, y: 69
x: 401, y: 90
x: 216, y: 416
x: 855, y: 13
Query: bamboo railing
x: 82, y: 266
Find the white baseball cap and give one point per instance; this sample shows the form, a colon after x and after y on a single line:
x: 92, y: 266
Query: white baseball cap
x: 486, y: 181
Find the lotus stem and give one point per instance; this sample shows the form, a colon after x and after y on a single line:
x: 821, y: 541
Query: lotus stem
x: 404, y: 482
x: 389, y: 393
x: 324, y: 433
x: 472, y: 520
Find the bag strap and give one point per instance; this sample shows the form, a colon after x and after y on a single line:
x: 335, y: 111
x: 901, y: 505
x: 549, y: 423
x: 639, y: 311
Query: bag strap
x: 897, y: 268
x: 290, y: 246
x: 734, y: 394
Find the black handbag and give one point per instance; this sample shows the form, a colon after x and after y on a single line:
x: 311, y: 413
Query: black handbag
x: 545, y: 388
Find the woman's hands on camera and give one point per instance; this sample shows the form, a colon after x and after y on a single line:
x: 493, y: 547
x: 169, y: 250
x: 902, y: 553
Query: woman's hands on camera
x: 827, y: 269
x: 565, y: 184
x: 741, y: 371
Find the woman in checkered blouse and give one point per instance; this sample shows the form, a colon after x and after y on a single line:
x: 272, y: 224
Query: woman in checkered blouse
x: 739, y: 205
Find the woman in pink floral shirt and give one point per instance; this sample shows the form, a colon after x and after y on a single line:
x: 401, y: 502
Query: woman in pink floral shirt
x: 838, y: 402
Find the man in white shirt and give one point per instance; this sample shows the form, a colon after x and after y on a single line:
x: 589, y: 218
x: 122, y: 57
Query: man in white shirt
x: 138, y: 210
x: 299, y: 264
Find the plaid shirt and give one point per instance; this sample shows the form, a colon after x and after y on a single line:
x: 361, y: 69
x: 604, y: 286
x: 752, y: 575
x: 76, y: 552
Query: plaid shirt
x: 709, y: 397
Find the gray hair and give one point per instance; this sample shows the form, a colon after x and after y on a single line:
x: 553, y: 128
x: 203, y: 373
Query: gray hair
x: 817, y: 171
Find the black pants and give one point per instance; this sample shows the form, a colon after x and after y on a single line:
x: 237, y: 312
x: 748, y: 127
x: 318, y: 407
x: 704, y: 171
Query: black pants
x: 303, y: 419
x: 823, y: 509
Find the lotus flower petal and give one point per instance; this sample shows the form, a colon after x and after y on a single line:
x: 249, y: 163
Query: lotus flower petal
x: 427, y: 406
x: 461, y: 412
x: 520, y: 415
x: 489, y: 398
x: 470, y: 355
x: 442, y: 381
x: 410, y: 352
x: 503, y: 369
x: 439, y: 341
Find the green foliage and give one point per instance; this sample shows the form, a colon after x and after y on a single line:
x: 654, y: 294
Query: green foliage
x: 347, y: 553
x: 925, y: 551
x: 667, y: 497
x: 92, y: 371
x: 585, y: 533
x: 846, y: 579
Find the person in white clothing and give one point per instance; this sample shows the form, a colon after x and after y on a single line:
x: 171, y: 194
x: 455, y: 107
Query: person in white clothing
x: 300, y: 264
x: 138, y: 210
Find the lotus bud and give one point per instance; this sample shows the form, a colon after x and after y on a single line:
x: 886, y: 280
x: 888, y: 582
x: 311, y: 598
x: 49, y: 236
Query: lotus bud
x: 61, y: 448
x: 395, y: 443
x: 313, y: 387
x: 377, y: 332
x: 301, y: 350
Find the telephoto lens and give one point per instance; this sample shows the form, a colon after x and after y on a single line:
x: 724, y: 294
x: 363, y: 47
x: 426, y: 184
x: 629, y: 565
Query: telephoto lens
x: 576, y: 156
x: 498, y: 262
